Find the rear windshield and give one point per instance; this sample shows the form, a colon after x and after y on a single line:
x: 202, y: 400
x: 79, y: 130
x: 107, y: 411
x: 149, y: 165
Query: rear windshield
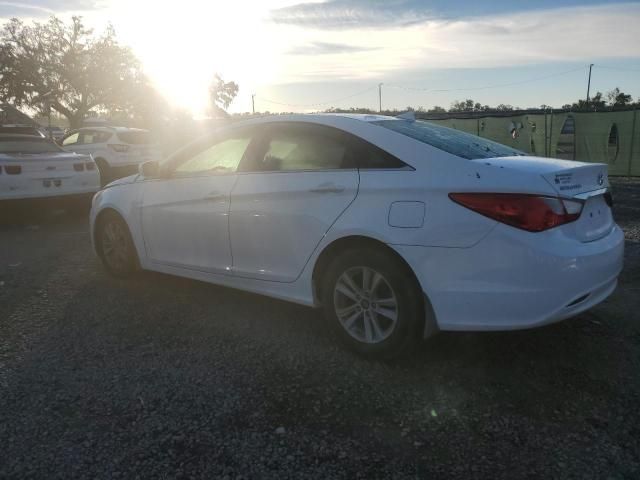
x: 19, y: 130
x: 134, y: 138
x: 27, y: 146
x: 449, y: 140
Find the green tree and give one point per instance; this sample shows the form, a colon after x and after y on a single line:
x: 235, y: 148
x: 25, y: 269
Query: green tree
x: 66, y: 67
x: 222, y: 94
x: 468, y: 105
x: 616, y: 98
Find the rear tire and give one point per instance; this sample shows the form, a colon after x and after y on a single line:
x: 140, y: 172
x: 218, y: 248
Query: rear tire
x: 373, y: 303
x: 115, y: 246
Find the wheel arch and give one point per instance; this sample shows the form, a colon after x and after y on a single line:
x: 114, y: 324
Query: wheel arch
x: 360, y: 241
x: 109, y: 210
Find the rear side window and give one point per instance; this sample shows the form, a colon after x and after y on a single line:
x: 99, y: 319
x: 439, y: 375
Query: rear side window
x: 134, y: 137
x: 302, y: 147
x: 368, y: 156
x: 89, y: 137
x: 449, y: 140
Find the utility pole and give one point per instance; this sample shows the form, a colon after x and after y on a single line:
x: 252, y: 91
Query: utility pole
x: 380, y: 97
x: 253, y: 103
x: 589, y: 84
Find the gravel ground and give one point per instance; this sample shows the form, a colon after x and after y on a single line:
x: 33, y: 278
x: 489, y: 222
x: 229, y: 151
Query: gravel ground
x: 161, y: 377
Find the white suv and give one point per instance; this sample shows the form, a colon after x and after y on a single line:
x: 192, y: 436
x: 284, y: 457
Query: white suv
x: 116, y: 150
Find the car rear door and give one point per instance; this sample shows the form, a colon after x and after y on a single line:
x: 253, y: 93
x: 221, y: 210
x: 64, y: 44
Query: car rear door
x: 291, y: 188
x: 185, y: 216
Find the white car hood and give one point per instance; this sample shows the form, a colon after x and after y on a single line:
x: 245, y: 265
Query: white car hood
x: 123, y: 181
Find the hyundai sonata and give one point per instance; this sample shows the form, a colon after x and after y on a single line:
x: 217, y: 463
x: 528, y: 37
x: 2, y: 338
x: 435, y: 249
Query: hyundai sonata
x: 398, y: 228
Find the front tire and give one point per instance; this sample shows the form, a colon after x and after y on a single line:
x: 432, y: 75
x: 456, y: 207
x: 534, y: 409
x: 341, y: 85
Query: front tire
x: 115, y: 246
x: 373, y: 303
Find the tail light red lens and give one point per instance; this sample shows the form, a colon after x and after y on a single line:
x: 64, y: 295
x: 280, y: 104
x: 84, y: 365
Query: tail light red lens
x: 78, y: 167
x: 533, y: 213
x: 90, y: 166
x: 13, y: 169
x: 118, y: 148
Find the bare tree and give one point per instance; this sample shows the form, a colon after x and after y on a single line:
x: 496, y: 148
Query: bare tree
x: 222, y: 94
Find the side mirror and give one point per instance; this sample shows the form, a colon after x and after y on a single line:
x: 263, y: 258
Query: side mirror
x: 149, y: 169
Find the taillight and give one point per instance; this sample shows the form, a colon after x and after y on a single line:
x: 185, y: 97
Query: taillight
x: 118, y: 147
x: 13, y: 169
x: 78, y: 167
x: 90, y: 166
x: 533, y: 213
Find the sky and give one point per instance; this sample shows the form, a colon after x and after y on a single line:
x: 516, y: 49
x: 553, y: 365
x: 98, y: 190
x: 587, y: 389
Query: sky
x: 311, y: 55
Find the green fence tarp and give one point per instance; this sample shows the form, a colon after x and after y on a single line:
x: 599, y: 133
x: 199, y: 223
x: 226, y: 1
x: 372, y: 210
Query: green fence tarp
x: 608, y: 137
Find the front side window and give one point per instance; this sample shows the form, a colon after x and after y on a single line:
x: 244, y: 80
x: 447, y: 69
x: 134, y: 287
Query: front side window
x: 221, y: 157
x: 71, y: 139
x: 296, y: 147
x: 449, y: 140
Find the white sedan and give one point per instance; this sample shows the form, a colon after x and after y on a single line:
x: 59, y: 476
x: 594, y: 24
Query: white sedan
x: 33, y: 167
x: 398, y: 228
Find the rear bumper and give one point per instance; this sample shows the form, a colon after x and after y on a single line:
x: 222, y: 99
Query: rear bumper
x: 16, y: 208
x: 512, y: 280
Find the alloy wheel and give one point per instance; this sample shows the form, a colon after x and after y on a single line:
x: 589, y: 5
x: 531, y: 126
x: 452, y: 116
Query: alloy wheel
x: 115, y: 248
x: 365, y: 304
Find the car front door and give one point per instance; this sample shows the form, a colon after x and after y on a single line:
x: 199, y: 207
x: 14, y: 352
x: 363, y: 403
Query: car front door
x: 185, y: 214
x: 291, y: 188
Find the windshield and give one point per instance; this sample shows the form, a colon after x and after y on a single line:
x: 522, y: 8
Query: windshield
x: 449, y: 140
x: 27, y: 146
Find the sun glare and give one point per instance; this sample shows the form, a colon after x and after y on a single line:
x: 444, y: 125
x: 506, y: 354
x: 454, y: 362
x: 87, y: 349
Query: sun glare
x: 183, y: 45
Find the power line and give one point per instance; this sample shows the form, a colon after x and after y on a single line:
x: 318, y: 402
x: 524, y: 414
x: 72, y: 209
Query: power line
x: 485, y: 87
x: 317, y: 104
x: 623, y: 69
x: 423, y: 89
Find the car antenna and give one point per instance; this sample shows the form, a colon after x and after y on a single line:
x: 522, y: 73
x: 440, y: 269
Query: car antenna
x: 410, y: 115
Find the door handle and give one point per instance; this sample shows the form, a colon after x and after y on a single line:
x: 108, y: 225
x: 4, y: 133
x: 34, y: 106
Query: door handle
x: 328, y: 188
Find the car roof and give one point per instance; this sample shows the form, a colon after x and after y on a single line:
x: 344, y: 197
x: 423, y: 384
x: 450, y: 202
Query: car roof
x: 323, y: 117
x: 109, y: 128
x: 339, y: 120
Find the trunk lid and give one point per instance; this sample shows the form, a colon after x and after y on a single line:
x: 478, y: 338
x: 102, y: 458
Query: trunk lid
x: 585, y: 182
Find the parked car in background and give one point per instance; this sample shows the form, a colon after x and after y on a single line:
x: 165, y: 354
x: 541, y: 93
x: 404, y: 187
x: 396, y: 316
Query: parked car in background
x: 117, y: 151
x: 33, y: 167
x: 55, y: 133
x: 17, y: 129
x: 397, y: 227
